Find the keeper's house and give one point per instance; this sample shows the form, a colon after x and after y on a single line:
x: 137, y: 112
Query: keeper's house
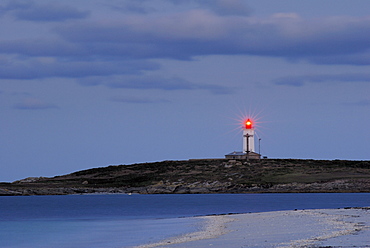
x: 243, y: 155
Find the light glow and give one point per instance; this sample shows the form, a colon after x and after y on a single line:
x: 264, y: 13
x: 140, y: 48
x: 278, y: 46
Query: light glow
x: 253, y: 117
x: 248, y: 124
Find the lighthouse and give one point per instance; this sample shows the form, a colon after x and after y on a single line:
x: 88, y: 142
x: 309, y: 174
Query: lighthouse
x: 248, y: 143
x: 248, y: 137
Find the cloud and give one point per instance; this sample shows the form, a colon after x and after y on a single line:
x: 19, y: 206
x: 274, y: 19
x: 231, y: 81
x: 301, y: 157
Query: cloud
x: 361, y: 103
x: 148, y: 37
x: 137, y: 6
x: 42, y: 48
x: 228, y: 7
x: 153, y: 83
x: 33, y: 104
x: 140, y: 100
x: 359, y: 59
x: 48, y: 67
x: 50, y: 12
x: 322, y: 78
x: 200, y: 32
x: 130, y: 44
x: 221, y: 7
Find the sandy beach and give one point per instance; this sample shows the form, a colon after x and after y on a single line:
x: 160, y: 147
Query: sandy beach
x: 298, y: 228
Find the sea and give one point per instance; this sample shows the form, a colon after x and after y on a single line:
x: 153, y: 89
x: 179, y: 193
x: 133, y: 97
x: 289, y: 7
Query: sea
x: 120, y: 220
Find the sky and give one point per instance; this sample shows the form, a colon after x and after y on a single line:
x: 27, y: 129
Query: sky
x: 92, y: 83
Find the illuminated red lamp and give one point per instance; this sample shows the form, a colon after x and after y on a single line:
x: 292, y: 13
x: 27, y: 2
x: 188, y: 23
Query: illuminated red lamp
x: 248, y: 124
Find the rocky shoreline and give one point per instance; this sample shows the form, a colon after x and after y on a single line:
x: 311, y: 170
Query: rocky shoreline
x: 338, y: 186
x: 204, y: 177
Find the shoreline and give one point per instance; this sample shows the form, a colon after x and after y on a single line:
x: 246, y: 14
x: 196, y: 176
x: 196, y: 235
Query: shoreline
x: 212, y: 227
x: 345, y: 227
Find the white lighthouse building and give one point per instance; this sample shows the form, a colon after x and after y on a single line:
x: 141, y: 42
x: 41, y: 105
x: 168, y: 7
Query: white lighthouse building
x: 248, y: 144
x: 248, y: 137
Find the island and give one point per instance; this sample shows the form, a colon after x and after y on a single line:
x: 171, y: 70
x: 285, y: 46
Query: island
x: 205, y: 176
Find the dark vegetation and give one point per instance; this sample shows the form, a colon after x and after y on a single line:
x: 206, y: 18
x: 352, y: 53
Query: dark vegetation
x: 207, y: 176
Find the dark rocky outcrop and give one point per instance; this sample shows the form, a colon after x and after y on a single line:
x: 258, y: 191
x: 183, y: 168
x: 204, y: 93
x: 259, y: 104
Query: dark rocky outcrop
x: 205, y: 176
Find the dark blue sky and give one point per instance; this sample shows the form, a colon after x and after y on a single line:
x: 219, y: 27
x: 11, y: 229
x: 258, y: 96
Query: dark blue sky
x: 92, y: 83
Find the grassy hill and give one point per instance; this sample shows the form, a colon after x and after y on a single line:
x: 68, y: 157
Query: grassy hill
x: 206, y: 176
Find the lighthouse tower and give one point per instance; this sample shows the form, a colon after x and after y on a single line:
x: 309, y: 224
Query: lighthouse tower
x: 248, y: 137
x: 248, y: 144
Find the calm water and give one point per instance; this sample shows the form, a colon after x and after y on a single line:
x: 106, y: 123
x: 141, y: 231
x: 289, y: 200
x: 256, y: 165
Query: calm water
x: 122, y: 221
